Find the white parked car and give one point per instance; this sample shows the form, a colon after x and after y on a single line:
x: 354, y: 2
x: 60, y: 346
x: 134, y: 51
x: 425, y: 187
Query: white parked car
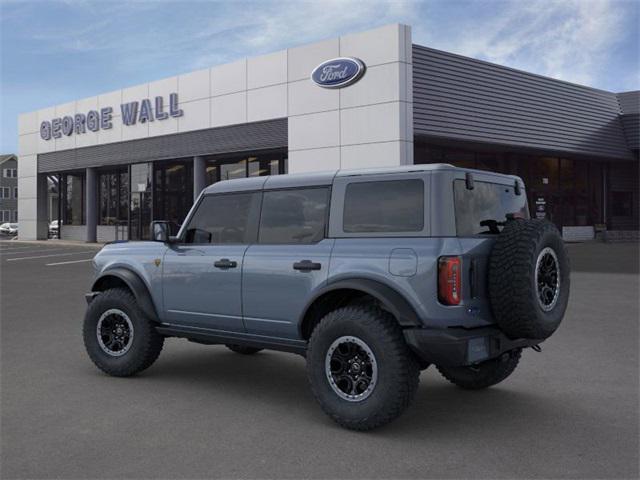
x: 54, y: 229
x: 9, y: 228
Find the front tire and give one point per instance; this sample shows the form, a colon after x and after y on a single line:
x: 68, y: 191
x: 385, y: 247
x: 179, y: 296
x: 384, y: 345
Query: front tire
x: 486, y: 374
x: 360, y: 369
x: 119, y: 338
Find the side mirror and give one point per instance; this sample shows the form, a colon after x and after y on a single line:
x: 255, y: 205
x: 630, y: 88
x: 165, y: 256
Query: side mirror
x: 160, y: 231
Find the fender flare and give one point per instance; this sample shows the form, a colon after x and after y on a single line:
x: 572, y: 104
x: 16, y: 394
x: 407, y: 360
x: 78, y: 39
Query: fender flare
x: 393, y: 301
x: 135, y: 284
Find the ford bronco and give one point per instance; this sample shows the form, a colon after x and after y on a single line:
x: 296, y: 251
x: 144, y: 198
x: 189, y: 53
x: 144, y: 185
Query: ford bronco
x: 372, y: 275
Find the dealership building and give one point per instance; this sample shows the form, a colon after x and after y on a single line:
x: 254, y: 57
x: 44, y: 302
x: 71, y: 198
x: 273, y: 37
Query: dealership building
x: 115, y: 161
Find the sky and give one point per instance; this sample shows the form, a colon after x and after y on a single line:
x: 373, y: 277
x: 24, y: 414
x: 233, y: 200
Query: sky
x: 55, y: 51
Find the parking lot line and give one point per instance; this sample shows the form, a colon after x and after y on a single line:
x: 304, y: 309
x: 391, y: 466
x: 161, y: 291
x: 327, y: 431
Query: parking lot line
x: 18, y: 247
x: 34, y: 250
x: 45, y: 256
x: 70, y: 261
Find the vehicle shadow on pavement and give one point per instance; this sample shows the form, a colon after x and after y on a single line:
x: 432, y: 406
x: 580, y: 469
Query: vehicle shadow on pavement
x: 267, y: 372
x: 280, y: 380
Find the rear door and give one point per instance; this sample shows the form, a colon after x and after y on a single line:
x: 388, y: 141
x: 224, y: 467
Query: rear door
x: 290, y: 260
x: 490, y: 200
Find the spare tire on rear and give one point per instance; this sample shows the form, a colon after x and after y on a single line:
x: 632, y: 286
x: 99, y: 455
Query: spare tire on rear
x: 529, y: 279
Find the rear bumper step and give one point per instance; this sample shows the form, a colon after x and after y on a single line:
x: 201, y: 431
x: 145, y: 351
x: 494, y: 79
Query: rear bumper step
x: 455, y: 347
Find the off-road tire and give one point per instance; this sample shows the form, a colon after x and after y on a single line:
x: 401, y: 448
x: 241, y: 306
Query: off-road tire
x: 145, y: 346
x: 484, y: 374
x: 398, y: 370
x: 242, y: 349
x: 513, y: 291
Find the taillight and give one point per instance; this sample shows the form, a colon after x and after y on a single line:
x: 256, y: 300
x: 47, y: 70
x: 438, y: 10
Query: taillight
x: 449, y: 280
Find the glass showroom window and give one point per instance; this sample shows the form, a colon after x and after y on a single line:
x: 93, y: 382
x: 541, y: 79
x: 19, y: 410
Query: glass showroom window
x: 73, y: 191
x: 245, y: 165
x: 113, y: 197
x: 172, y: 191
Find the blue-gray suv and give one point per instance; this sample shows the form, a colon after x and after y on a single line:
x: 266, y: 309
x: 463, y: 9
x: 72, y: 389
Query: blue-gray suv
x: 372, y: 275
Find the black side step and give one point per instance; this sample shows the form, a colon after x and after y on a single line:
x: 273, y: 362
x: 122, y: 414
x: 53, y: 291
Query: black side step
x: 215, y: 337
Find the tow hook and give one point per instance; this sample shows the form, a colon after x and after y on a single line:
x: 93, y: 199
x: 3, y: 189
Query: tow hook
x: 536, y: 348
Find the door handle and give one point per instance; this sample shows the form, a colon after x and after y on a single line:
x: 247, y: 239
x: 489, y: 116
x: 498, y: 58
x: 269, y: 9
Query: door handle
x: 306, y: 265
x: 225, y: 263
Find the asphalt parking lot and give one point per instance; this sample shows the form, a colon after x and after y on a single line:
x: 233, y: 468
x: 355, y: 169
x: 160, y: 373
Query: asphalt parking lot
x: 203, y: 411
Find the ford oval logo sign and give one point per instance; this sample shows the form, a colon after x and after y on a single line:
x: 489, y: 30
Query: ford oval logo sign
x: 338, y: 72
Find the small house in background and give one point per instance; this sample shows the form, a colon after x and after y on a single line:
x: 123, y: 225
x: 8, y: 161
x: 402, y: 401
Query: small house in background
x: 9, y: 188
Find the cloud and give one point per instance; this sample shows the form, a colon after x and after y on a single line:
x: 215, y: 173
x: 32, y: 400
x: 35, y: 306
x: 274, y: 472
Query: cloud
x: 570, y: 40
x: 266, y: 26
x: 565, y: 39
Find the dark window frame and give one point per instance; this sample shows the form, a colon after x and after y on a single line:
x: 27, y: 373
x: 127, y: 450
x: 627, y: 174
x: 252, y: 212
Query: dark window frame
x: 166, y: 193
x: 64, y: 198
x: 118, y: 174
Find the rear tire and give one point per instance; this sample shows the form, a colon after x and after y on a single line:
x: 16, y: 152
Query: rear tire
x: 119, y: 338
x: 387, y: 374
x: 485, y: 374
x: 242, y: 349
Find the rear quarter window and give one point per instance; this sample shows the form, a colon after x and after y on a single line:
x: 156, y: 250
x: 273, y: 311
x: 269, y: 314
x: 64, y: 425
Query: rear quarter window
x: 487, y: 201
x: 384, y: 206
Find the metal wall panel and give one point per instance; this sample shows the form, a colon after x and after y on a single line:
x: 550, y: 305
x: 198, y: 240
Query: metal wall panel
x: 456, y: 97
x: 236, y: 138
x: 631, y: 127
x: 629, y: 101
x: 630, y: 106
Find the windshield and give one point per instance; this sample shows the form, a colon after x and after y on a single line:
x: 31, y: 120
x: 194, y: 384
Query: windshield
x: 487, y: 201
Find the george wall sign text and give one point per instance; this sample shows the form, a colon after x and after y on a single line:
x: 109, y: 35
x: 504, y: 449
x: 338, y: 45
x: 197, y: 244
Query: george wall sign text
x: 94, y: 120
x: 338, y: 72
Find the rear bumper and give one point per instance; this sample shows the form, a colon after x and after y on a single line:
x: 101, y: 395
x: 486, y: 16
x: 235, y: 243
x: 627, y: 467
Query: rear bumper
x: 455, y: 347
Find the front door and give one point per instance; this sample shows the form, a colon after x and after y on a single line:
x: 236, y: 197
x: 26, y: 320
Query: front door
x: 290, y: 260
x: 202, y: 272
x: 201, y: 286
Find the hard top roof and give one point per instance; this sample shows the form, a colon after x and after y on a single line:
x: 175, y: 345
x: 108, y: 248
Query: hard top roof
x: 326, y: 177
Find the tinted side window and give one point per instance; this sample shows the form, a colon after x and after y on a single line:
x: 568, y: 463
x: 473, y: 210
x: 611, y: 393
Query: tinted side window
x: 293, y: 216
x: 224, y: 219
x: 384, y: 206
x: 487, y: 201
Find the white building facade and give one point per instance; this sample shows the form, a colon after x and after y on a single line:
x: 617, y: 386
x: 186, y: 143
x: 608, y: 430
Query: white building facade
x: 367, y: 123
